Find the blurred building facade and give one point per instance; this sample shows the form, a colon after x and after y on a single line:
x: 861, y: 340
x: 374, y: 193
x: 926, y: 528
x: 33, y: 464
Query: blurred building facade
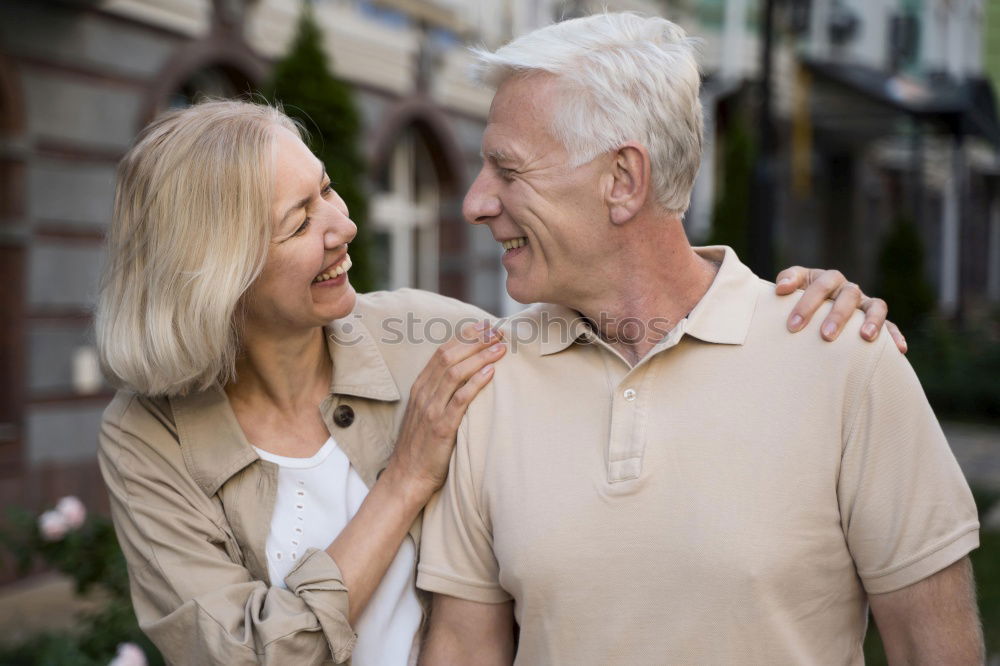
x: 79, y: 78
x: 885, y: 110
x: 877, y: 102
x: 923, y: 136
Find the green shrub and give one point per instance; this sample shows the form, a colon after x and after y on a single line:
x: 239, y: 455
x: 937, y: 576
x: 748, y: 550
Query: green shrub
x: 730, y: 221
x: 902, y: 281
x: 89, y: 554
x: 959, y: 369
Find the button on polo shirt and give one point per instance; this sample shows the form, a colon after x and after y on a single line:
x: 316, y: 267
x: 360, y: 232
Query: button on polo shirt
x: 736, y: 510
x: 634, y: 400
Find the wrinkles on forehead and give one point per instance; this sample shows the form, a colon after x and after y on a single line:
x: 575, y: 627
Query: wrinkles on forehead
x: 505, y: 148
x: 544, y: 85
x: 518, y: 131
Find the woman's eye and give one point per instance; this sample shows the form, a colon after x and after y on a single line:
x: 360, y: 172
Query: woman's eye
x: 327, y: 189
x: 302, y: 227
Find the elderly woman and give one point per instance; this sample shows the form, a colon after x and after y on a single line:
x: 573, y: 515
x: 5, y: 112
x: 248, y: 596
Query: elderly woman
x: 271, y: 448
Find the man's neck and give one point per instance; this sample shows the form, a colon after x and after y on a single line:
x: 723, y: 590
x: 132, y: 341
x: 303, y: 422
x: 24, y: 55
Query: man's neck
x: 662, y: 281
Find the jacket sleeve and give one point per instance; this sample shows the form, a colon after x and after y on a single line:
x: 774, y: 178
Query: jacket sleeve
x: 192, y: 596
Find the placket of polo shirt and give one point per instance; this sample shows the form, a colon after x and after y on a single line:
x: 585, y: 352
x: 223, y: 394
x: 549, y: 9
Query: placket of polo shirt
x: 632, y: 398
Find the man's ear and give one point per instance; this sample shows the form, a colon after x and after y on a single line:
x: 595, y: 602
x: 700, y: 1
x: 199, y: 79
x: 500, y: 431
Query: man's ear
x: 630, y: 171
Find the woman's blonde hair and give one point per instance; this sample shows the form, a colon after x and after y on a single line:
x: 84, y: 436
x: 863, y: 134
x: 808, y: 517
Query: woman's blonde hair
x: 190, y: 234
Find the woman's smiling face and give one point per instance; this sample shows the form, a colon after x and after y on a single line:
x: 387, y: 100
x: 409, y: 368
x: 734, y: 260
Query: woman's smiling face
x: 304, y: 282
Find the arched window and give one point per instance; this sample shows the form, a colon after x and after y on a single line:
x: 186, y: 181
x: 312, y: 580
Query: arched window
x: 405, y: 215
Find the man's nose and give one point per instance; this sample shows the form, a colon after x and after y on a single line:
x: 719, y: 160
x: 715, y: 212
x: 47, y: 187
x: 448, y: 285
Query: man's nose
x: 481, y: 204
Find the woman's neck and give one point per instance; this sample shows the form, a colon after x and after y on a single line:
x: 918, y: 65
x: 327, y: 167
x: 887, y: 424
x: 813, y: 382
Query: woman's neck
x: 287, y: 371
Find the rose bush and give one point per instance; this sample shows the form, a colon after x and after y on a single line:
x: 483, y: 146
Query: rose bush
x: 85, y: 549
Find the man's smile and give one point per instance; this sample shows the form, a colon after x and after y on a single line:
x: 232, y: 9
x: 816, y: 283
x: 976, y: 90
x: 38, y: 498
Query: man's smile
x: 514, y: 243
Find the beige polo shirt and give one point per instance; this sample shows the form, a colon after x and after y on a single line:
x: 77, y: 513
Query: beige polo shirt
x: 192, y: 501
x: 728, y: 500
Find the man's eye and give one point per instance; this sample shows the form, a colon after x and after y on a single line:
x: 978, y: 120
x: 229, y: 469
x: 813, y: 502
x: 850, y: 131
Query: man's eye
x: 506, y: 174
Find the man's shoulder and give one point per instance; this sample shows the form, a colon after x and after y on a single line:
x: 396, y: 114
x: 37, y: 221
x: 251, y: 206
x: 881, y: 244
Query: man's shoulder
x: 743, y: 307
x: 406, y: 326
x: 770, y: 323
x: 379, y: 305
x: 844, y: 369
x: 543, y: 355
x: 539, y: 330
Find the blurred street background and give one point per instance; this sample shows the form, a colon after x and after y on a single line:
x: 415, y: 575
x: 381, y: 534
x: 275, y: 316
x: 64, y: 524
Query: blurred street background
x: 861, y: 135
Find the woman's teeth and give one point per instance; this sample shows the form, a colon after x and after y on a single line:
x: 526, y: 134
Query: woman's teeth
x: 515, y: 243
x: 334, y: 272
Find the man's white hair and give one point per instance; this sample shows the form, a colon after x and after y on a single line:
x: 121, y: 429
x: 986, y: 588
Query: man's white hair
x: 623, y: 77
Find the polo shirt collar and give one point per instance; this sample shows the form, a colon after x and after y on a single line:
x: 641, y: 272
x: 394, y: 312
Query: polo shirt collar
x: 722, y: 316
x: 560, y: 327
x: 213, y: 444
x: 724, y: 313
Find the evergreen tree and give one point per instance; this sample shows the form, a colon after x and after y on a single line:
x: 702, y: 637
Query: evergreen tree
x: 901, y: 276
x: 732, y: 208
x: 303, y: 85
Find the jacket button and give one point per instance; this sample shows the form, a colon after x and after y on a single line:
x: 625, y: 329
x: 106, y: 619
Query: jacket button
x: 343, y: 416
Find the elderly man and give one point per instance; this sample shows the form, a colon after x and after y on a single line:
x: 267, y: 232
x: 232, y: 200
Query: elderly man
x: 659, y: 473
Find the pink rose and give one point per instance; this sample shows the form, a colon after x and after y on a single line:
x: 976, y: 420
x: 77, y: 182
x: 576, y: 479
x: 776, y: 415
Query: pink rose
x: 72, y: 510
x: 129, y: 654
x: 52, y: 525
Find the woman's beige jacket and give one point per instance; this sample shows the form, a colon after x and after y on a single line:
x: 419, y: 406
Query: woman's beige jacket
x: 192, y: 502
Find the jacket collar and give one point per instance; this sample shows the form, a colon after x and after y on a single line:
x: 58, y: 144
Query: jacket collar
x: 722, y: 316
x: 358, y: 366
x: 212, y: 442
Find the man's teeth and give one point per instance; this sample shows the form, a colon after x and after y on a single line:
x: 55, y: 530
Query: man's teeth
x: 336, y: 271
x: 515, y: 243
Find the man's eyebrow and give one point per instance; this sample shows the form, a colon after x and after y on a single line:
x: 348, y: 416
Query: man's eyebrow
x: 495, y: 155
x: 304, y: 201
